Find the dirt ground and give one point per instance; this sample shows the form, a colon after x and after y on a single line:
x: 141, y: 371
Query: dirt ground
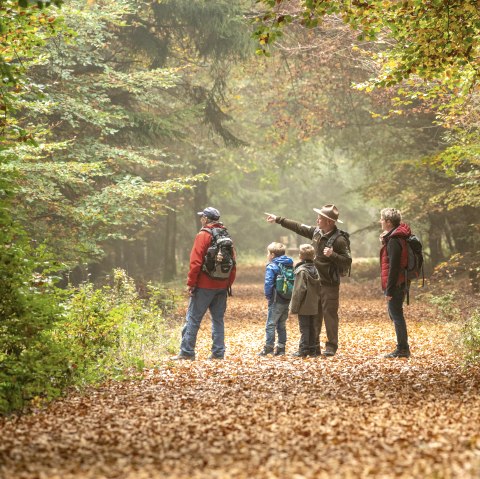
x: 351, y: 416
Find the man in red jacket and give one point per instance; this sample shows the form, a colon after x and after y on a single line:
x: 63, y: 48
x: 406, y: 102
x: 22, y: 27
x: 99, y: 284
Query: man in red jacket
x: 206, y: 292
x: 393, y: 261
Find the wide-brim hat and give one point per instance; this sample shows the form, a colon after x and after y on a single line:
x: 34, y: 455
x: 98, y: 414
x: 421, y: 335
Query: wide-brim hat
x: 211, y: 213
x: 329, y: 211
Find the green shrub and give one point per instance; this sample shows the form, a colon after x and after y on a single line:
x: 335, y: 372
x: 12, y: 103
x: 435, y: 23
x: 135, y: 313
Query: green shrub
x: 470, y: 337
x: 446, y: 305
x: 111, y: 330
x: 32, y: 364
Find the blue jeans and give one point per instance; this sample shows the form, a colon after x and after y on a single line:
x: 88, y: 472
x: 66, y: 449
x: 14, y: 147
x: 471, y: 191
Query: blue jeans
x: 214, y: 300
x: 276, y: 321
x: 395, y: 311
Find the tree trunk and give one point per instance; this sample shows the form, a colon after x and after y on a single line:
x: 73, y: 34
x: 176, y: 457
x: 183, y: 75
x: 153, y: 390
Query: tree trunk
x: 437, y: 225
x: 170, y: 267
x: 200, y: 198
x: 462, y: 222
x: 155, y: 259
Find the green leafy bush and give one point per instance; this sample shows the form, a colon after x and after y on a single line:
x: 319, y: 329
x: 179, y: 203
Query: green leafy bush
x: 32, y: 363
x: 446, y: 305
x: 470, y: 338
x: 51, y: 339
x: 111, y: 330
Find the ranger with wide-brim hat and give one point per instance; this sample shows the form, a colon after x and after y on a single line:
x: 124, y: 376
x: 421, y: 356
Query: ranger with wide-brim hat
x: 329, y: 211
x: 328, y: 260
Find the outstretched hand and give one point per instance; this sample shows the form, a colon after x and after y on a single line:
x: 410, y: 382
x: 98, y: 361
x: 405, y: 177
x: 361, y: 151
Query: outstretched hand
x: 271, y: 217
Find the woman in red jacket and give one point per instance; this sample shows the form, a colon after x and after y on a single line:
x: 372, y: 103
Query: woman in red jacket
x: 393, y: 261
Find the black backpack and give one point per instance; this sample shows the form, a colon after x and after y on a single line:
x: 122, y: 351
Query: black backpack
x: 339, y: 270
x: 219, y: 260
x: 415, y: 258
x: 414, y: 266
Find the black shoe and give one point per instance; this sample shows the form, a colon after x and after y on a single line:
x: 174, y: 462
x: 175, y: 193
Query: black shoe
x: 181, y: 357
x: 279, y: 351
x: 329, y: 351
x: 300, y: 354
x: 212, y: 356
x: 398, y: 353
x: 266, y: 350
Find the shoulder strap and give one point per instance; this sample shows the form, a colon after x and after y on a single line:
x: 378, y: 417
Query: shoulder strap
x: 208, y: 230
x: 214, y: 231
x: 332, y: 239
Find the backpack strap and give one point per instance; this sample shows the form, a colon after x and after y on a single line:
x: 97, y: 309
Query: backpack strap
x: 213, y: 232
x: 332, y: 239
x: 208, y: 230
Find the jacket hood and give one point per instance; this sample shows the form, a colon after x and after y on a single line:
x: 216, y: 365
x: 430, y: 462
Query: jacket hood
x: 285, y: 260
x: 309, y: 268
x: 216, y: 224
x: 401, y: 231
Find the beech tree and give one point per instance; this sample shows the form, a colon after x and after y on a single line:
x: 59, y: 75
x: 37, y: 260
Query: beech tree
x: 424, y: 56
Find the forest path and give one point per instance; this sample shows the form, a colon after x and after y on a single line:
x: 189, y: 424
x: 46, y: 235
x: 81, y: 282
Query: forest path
x: 350, y: 416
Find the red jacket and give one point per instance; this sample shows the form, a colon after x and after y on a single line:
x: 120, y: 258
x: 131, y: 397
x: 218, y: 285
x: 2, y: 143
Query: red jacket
x: 196, y: 277
x: 394, y: 257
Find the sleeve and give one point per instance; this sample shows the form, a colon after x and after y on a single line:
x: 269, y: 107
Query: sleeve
x: 341, y: 254
x: 269, y: 286
x: 302, y: 230
x: 199, y: 250
x: 299, y: 292
x: 394, y: 251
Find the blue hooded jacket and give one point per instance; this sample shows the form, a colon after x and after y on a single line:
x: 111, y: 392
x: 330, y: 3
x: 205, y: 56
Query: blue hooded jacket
x: 271, y: 272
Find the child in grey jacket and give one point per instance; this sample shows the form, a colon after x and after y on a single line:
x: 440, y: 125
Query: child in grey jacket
x: 304, y: 300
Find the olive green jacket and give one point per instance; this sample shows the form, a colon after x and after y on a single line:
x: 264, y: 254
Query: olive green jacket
x: 324, y: 264
x: 305, y: 292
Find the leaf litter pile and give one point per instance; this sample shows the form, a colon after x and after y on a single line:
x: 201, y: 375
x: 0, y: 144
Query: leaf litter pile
x: 353, y: 415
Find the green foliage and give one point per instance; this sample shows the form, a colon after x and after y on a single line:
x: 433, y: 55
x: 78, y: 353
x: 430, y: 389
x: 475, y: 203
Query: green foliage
x: 24, y: 29
x: 32, y: 363
x: 425, y: 56
x: 470, y: 338
x: 86, y: 174
x: 111, y: 330
x: 460, y: 163
x: 446, y: 305
x: 431, y: 39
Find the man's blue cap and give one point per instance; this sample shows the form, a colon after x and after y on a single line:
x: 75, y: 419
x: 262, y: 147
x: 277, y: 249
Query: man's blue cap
x: 210, y: 213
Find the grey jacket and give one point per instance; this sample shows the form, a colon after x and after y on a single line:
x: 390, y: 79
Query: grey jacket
x: 305, y: 289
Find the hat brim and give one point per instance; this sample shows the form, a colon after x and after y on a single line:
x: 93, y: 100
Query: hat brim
x: 325, y: 216
x: 200, y: 213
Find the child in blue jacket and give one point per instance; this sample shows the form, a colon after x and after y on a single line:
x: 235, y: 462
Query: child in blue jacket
x: 277, y: 305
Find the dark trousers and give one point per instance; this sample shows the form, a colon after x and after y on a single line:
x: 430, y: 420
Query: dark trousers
x: 327, y: 311
x: 395, y: 311
x: 306, y: 324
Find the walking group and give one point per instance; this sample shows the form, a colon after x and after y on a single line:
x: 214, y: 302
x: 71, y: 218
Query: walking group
x: 310, y: 288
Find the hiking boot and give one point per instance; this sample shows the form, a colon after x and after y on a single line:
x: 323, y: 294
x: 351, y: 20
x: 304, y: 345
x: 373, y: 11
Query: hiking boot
x: 280, y: 351
x: 212, y: 356
x: 300, y: 354
x: 398, y: 353
x: 329, y: 351
x: 266, y: 350
x: 181, y: 357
